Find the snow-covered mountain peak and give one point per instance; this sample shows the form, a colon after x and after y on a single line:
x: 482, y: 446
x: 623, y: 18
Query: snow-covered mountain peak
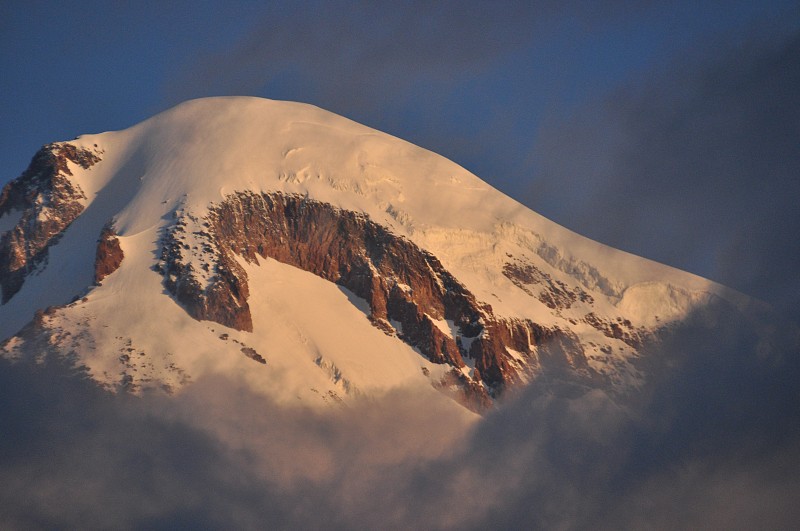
x: 202, y: 150
x: 315, y: 258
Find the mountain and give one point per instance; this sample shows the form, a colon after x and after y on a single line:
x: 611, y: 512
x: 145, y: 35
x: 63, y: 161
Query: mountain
x: 315, y: 259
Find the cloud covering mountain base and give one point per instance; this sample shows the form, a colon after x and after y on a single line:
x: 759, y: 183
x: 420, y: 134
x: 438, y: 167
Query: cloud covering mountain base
x: 712, y: 443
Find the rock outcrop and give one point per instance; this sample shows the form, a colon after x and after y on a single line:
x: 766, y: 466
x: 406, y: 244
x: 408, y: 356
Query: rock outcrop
x: 409, y: 292
x: 217, y: 290
x: 554, y: 294
x: 109, y: 254
x: 621, y: 329
x: 47, y: 202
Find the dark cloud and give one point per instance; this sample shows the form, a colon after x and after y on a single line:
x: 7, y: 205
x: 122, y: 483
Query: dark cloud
x: 404, y: 67
x: 214, y: 457
x: 696, y: 167
x: 351, y: 55
x: 711, y: 442
x: 359, y: 58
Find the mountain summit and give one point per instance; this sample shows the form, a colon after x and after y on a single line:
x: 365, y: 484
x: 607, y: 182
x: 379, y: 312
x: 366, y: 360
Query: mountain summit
x: 316, y: 259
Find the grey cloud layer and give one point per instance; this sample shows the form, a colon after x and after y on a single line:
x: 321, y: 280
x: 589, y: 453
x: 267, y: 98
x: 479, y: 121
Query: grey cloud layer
x: 381, y: 62
x: 710, y: 443
x: 698, y: 168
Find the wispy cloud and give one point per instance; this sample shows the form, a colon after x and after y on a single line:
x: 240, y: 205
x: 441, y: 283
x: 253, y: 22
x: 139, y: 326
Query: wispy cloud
x: 695, y: 167
x: 395, y: 65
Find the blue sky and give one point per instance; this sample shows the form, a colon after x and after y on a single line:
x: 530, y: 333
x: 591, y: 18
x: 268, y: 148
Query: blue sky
x: 544, y: 100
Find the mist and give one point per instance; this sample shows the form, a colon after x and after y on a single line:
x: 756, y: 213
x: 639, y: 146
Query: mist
x: 695, y: 166
x: 711, y: 441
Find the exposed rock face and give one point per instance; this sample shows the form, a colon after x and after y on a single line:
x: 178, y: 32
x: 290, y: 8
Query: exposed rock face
x: 109, y: 254
x: 219, y: 291
x: 49, y: 202
x: 549, y: 350
x: 253, y: 355
x: 408, y: 290
x: 621, y: 329
x: 467, y: 391
x: 554, y: 294
x: 558, y: 296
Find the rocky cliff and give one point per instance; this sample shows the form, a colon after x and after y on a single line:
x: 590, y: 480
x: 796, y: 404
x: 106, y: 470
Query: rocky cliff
x: 109, y: 255
x: 46, y: 201
x: 408, y: 291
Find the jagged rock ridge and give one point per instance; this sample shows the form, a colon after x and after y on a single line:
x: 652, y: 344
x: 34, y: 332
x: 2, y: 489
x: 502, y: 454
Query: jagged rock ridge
x: 407, y: 289
x: 48, y: 201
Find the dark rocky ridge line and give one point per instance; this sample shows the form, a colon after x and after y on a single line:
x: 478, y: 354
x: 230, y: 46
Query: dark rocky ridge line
x: 49, y: 203
x: 224, y: 298
x: 623, y: 330
x: 556, y: 295
x: 401, y: 282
